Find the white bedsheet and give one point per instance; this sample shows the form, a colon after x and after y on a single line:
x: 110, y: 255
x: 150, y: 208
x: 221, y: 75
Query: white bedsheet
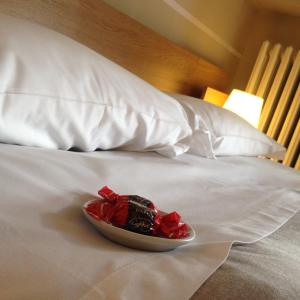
x: 49, y: 251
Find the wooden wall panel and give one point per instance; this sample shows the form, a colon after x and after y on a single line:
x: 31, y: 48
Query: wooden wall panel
x: 285, y: 99
x: 272, y: 98
x: 280, y: 86
x: 269, y: 73
x: 123, y: 40
x: 259, y: 68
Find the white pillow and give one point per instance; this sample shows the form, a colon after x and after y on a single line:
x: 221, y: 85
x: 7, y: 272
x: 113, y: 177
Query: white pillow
x: 201, y: 139
x: 57, y: 93
x: 228, y: 133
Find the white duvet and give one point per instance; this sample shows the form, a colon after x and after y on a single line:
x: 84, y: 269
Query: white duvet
x: 49, y: 251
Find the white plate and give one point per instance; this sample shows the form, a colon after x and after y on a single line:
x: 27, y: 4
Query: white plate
x: 137, y: 240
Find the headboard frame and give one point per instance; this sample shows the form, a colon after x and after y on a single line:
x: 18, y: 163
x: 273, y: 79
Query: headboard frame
x: 123, y: 40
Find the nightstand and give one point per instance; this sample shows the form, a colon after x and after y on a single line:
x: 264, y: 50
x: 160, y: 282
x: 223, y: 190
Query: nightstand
x: 214, y: 96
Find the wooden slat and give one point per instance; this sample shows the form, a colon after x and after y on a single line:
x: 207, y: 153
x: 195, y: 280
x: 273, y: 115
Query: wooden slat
x: 123, y: 40
x: 297, y: 165
x: 258, y: 68
x: 276, y: 88
x: 270, y: 71
x: 293, y: 149
x: 290, y: 122
x: 285, y: 99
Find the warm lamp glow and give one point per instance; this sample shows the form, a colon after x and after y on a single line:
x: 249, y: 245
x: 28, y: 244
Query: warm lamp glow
x: 245, y: 105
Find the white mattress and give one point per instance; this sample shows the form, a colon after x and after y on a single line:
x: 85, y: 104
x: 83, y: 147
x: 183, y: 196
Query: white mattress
x: 49, y: 251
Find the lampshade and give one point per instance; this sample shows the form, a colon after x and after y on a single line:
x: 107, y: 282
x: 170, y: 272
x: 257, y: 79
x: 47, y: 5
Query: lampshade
x: 245, y: 105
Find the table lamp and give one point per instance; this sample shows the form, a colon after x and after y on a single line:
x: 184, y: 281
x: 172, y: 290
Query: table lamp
x: 245, y: 105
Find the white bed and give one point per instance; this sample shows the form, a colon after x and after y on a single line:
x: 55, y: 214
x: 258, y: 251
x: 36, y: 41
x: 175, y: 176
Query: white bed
x: 50, y: 251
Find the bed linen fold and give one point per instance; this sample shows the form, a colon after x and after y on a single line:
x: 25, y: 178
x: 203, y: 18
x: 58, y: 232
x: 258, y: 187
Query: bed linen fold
x: 51, y: 251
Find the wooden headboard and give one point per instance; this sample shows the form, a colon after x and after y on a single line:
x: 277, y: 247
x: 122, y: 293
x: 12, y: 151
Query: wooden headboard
x: 123, y: 40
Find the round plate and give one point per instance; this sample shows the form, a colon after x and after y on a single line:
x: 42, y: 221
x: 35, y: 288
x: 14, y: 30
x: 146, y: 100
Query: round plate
x: 137, y: 240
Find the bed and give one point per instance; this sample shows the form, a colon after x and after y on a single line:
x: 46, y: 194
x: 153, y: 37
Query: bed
x: 244, y: 209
